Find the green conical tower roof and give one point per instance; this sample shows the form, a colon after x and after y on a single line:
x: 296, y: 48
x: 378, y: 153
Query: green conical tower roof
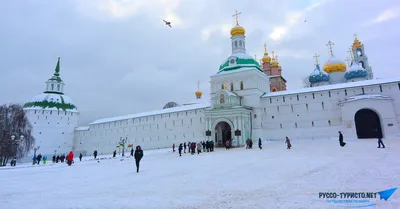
x: 57, y: 71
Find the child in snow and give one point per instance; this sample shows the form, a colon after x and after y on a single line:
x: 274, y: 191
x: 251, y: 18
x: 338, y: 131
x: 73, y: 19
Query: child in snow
x: 289, y: 145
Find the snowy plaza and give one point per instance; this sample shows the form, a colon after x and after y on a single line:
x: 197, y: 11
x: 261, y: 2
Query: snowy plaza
x: 273, y: 177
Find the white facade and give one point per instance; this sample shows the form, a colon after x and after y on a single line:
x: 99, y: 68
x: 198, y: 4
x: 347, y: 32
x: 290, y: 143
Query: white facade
x: 54, y: 118
x: 242, y: 107
x: 151, y: 130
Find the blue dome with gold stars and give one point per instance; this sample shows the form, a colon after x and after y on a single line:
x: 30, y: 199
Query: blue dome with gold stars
x: 318, y: 75
x: 355, y: 71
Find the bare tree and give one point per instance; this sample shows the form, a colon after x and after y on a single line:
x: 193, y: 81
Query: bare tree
x: 16, y: 138
x: 306, y: 82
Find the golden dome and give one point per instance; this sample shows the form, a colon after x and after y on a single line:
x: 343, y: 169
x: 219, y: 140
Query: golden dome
x: 266, y: 58
x: 198, y: 94
x: 274, y: 61
x: 237, y: 30
x: 357, y: 43
x: 334, y: 65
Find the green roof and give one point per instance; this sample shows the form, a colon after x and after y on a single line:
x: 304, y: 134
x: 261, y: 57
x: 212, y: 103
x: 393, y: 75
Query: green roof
x: 50, y: 104
x: 240, y: 63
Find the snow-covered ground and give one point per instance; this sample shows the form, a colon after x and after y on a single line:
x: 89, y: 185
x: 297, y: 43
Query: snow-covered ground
x: 271, y: 178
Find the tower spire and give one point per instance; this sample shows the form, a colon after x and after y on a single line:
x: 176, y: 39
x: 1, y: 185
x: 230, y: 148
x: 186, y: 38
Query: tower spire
x: 236, y: 15
x: 316, y: 58
x: 265, y: 48
x: 198, y: 93
x: 57, y: 70
x: 330, y: 44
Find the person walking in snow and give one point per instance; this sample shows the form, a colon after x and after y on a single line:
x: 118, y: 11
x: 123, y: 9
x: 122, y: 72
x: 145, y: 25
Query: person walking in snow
x: 380, y: 142
x: 70, y: 158
x: 39, y: 158
x: 204, y: 146
x: 199, y: 147
x: 138, y: 156
x: 259, y: 143
x: 95, y: 154
x: 114, y: 153
x: 193, y: 147
x: 58, y: 158
x: 44, y: 159
x: 132, y: 151
x: 54, y: 158
x: 180, y: 149
x: 184, y: 147
x: 227, y: 144
x: 173, y: 147
x: 289, y: 145
x: 341, y: 142
x: 80, y: 156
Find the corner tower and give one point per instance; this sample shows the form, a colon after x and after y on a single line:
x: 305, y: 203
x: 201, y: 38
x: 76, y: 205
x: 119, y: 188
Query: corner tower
x: 360, y: 57
x: 53, y: 116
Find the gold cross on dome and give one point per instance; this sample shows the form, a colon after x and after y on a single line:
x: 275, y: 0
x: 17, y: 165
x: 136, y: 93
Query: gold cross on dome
x: 330, y: 44
x: 316, y: 58
x: 265, y: 48
x: 276, y: 58
x: 236, y: 15
x: 355, y: 36
x: 198, y: 85
x: 273, y: 54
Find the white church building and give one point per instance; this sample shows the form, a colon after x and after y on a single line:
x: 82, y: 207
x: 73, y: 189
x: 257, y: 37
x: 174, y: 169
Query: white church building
x: 242, y: 106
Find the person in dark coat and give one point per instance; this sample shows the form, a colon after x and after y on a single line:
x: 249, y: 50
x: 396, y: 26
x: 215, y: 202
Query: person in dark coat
x: 184, y: 147
x: 204, y: 146
x: 289, y: 145
x: 193, y: 147
x: 132, y: 151
x: 57, y: 158
x: 211, y: 146
x: 54, y: 158
x: 95, y: 154
x: 138, y: 156
x: 173, y: 147
x: 180, y: 149
x: 341, y: 142
x: 380, y: 142
x: 259, y: 143
x: 189, y: 147
x: 80, y: 156
x: 39, y: 158
x: 114, y: 153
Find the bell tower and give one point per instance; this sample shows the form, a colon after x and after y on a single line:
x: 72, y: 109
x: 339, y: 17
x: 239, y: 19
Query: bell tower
x: 360, y: 57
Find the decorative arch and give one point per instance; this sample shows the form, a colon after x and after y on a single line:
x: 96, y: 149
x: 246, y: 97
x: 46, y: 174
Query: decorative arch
x: 223, y: 120
x: 362, y: 64
x: 52, y: 86
x: 368, y: 124
x: 222, y: 98
x: 359, y: 52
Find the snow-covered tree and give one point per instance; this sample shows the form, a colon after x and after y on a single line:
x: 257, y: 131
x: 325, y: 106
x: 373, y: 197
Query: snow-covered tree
x: 16, y: 138
x: 306, y: 82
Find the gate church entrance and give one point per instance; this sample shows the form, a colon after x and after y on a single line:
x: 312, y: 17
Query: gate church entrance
x: 368, y: 124
x: 223, y: 132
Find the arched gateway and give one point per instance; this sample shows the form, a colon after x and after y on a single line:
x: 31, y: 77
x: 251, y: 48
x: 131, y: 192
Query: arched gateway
x: 223, y: 132
x: 368, y: 124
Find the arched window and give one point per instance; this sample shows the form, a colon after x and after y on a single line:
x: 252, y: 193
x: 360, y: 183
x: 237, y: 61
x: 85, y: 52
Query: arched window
x: 222, y: 99
x: 240, y: 43
x: 241, y: 85
x: 58, y: 87
x: 231, y: 86
x: 359, y: 53
x: 52, y: 86
x: 236, y: 44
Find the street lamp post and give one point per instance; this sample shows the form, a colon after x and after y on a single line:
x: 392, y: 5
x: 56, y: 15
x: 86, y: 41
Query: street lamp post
x: 122, y: 142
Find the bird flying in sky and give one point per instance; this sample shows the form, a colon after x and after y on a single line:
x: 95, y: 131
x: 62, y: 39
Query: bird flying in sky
x: 168, y: 23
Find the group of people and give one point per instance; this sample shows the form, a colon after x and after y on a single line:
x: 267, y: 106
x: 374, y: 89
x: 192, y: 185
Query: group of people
x: 38, y: 159
x: 202, y: 146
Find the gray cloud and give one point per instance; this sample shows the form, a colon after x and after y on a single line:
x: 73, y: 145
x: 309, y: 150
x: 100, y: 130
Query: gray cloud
x: 133, y: 63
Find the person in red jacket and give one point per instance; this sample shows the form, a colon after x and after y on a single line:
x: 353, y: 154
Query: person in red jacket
x: 70, y: 158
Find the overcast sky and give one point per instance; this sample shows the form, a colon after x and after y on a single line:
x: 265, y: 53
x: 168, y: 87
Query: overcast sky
x: 118, y: 57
